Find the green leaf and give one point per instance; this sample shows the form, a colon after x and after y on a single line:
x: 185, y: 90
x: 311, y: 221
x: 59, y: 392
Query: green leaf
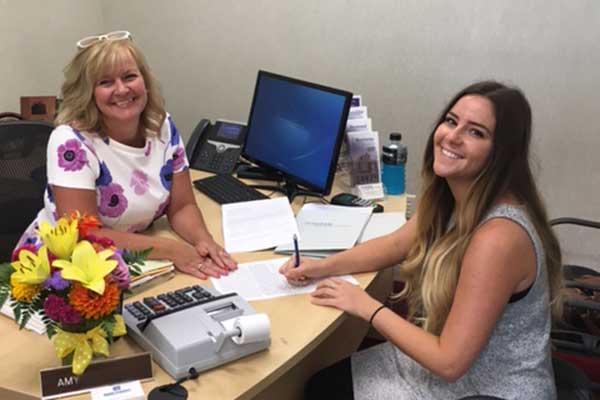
x: 25, y: 316
x: 6, y: 271
x: 135, y: 259
x: 49, y: 324
x: 16, y: 306
x: 109, y: 325
x: 4, y: 294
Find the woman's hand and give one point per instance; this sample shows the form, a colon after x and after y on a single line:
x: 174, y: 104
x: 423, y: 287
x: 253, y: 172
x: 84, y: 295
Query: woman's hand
x: 208, y: 248
x: 338, y: 293
x: 305, y: 273
x: 187, y: 260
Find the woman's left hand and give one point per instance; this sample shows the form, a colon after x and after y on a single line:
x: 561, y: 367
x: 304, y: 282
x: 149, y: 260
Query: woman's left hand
x: 222, y: 259
x: 338, y: 293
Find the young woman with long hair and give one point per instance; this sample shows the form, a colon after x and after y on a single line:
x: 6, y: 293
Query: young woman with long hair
x: 480, y: 263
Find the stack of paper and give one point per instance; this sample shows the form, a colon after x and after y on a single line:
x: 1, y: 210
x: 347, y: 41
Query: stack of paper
x: 257, y: 225
x: 34, y: 324
x: 153, y: 273
x: 326, y: 229
x: 363, y: 152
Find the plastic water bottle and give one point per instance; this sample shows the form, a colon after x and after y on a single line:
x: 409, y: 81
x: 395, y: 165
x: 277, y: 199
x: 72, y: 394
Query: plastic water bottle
x: 393, y: 162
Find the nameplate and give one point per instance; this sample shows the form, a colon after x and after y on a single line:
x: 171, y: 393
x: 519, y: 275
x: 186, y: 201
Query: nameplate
x: 60, y: 381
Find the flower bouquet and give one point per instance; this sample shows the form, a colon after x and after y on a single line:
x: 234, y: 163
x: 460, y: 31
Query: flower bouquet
x: 75, y: 281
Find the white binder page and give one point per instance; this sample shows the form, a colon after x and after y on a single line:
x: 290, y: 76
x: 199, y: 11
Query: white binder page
x: 257, y: 225
x: 261, y: 280
x: 328, y: 227
x: 382, y: 224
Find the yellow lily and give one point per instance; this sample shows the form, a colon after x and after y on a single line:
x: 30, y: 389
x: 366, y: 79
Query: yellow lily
x: 31, y: 269
x: 61, y: 240
x: 87, y: 266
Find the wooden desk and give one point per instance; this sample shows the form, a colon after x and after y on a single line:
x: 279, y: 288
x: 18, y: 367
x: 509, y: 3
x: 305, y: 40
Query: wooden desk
x: 304, y: 337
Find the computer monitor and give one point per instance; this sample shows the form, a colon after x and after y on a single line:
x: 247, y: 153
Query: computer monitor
x: 296, y: 128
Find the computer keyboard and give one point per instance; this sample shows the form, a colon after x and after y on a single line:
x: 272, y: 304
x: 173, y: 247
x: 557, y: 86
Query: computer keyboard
x: 226, y: 189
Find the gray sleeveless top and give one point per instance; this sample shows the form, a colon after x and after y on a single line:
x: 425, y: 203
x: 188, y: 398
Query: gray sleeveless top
x: 515, y: 363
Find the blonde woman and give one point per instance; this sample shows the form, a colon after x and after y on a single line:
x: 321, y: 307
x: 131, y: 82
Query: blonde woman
x: 480, y: 262
x: 116, y: 154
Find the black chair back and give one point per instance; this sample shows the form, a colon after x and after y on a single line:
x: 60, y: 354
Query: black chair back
x: 22, y: 178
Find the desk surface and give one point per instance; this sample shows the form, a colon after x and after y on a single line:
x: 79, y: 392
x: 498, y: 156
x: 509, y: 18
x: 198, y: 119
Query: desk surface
x: 292, y: 339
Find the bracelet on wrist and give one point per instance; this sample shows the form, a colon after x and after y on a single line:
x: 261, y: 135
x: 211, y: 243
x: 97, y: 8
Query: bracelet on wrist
x: 381, y: 307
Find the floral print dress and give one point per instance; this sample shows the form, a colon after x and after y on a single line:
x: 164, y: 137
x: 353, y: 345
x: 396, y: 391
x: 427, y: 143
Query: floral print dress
x: 132, y: 184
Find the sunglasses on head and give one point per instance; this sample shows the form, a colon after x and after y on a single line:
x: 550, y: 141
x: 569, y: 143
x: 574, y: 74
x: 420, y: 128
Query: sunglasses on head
x: 91, y: 40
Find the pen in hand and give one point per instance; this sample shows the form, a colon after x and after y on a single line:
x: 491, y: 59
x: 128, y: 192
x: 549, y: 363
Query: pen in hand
x: 296, y: 252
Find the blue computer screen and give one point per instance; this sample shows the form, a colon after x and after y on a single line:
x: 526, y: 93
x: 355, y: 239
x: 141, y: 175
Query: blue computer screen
x: 294, y: 127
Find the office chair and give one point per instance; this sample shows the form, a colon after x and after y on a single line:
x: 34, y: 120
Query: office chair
x: 22, y: 177
x: 576, y: 338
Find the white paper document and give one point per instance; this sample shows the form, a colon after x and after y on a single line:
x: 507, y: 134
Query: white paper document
x: 261, y: 280
x: 382, y: 224
x: 327, y: 227
x: 257, y: 225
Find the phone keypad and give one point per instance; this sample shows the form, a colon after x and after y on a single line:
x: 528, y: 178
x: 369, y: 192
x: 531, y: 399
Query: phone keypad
x: 220, y: 162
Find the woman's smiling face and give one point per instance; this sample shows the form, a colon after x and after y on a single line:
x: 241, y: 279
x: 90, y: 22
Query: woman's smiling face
x: 463, y: 141
x: 120, y: 94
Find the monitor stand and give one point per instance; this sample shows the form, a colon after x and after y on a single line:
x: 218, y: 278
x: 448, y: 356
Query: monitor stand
x: 258, y: 173
x: 290, y: 189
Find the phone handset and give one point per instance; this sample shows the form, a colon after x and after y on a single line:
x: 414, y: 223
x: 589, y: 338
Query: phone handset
x: 216, y: 147
x: 197, y: 135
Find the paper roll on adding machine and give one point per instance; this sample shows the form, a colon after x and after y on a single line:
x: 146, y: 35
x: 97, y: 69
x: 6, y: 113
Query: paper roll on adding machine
x: 196, y: 327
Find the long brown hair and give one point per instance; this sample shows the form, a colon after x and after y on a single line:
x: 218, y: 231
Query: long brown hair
x: 78, y: 106
x: 433, y: 265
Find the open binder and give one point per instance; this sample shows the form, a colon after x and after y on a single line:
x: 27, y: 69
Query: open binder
x: 325, y: 229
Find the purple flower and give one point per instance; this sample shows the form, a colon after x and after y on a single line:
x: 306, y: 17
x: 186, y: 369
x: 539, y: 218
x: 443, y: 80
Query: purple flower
x: 56, y: 282
x: 121, y: 273
x: 112, y: 201
x: 53, y: 306
x: 178, y: 159
x: 139, y: 182
x: 105, y: 178
x: 166, y: 175
x: 71, y: 157
x: 58, y: 310
x: 174, y: 132
x: 30, y: 238
x: 70, y: 316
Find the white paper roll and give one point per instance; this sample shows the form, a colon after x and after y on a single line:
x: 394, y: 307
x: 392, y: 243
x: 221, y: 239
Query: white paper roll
x: 254, y: 328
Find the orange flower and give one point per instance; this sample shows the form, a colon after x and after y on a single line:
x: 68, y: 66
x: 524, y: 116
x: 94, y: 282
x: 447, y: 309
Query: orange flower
x: 92, y: 305
x: 86, y: 223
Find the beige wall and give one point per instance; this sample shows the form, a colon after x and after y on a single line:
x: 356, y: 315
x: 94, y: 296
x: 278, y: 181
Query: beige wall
x: 406, y: 58
x: 36, y: 40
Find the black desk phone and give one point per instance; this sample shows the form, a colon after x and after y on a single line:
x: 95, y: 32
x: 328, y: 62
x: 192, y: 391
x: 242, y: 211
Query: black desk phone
x: 216, y: 147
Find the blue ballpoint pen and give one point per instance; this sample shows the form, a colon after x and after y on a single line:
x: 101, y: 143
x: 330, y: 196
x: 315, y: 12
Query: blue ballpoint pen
x: 296, y: 252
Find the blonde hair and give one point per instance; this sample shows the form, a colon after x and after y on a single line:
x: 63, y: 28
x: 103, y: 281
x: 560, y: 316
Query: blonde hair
x: 433, y: 264
x: 78, y: 106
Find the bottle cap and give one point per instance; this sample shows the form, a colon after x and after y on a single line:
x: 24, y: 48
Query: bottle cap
x: 396, y: 136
